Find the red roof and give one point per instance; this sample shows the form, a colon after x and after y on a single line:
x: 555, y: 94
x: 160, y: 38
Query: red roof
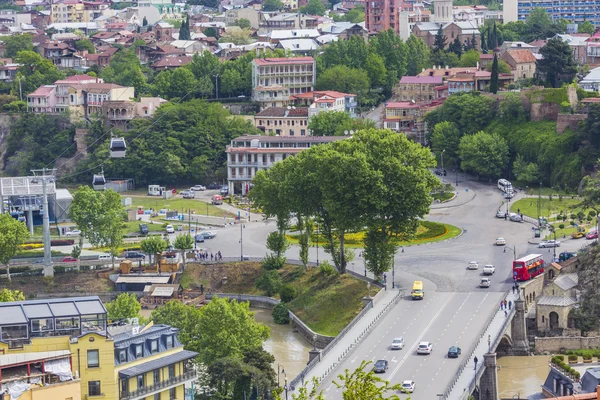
x: 401, y: 104
x: 76, y: 79
x: 435, y: 80
x: 42, y: 91
x: 172, y: 62
x: 284, y: 60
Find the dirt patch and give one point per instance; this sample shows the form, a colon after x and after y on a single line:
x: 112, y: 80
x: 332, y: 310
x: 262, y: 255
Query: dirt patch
x: 70, y: 282
x: 240, y: 277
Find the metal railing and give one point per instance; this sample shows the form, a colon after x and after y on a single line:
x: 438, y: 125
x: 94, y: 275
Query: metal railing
x: 147, y: 390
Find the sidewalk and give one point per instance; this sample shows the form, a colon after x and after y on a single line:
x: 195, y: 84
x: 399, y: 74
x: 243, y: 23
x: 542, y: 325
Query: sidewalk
x: 464, y: 379
x: 382, y: 303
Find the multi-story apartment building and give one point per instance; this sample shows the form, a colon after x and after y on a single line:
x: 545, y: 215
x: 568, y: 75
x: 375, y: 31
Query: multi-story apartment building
x: 283, y: 121
x: 73, y: 335
x: 381, y: 15
x: 326, y: 100
x: 246, y: 155
x: 68, y: 11
x: 275, y: 79
x: 269, y: 22
x: 574, y: 11
x: 408, y: 117
x: 418, y: 88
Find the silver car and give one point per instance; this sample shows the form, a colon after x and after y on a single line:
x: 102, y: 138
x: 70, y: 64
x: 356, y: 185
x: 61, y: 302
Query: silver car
x: 549, y: 243
x: 397, y: 343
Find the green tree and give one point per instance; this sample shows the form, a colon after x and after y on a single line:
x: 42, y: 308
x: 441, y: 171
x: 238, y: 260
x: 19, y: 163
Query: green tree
x: 439, y: 43
x: 8, y: 295
x: 469, y: 111
x: 503, y: 67
x: 444, y: 58
x: 183, y: 243
x: 527, y: 172
x: 181, y: 316
x: 126, y: 305
x: 85, y: 44
x: 33, y: 72
x: 483, y: 154
x: 314, y: 7
x: 16, y: 43
x: 125, y: 69
x: 557, y: 64
x: 494, y: 77
x: 211, y: 32
x: 470, y: 58
x: 586, y: 27
x: 231, y: 81
x: 346, y: 80
x: 327, y: 123
x: 417, y: 55
x: 154, y: 245
x: 305, y: 227
x: 270, y: 282
x: 243, y: 23
x: 182, y: 81
x: 393, y: 51
x: 356, y: 16
x: 184, y: 31
x: 376, y: 70
x: 13, y: 234
x: 539, y: 25
x: 456, y: 47
x: 272, y: 5
x: 512, y: 108
x: 362, y: 383
x: 446, y: 136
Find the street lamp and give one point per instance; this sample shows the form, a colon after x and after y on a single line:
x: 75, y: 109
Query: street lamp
x: 554, y: 256
x: 286, y: 388
x: 241, y: 240
x: 393, y: 272
x: 280, y: 372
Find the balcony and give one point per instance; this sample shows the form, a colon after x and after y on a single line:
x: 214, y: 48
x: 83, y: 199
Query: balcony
x: 159, y: 387
x: 242, y: 163
x: 240, y: 177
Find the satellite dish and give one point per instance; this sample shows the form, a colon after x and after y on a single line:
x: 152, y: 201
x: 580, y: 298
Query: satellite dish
x: 346, y: 133
x: 352, y: 132
x: 289, y: 107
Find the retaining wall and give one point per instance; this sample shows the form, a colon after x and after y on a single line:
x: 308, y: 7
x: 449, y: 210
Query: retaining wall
x: 557, y: 344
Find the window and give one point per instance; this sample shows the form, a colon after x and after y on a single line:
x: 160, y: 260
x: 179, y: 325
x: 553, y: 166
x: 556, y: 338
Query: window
x: 170, y: 338
x: 40, y: 325
x: 138, y: 350
x: 14, y: 332
x: 93, y: 358
x: 94, y: 388
x: 63, y: 324
x: 140, y: 381
x: 124, y: 385
x: 153, y: 346
x: 172, y: 371
x: 157, y: 396
x: 122, y: 356
x: 172, y: 393
x: 156, y: 376
x: 291, y: 132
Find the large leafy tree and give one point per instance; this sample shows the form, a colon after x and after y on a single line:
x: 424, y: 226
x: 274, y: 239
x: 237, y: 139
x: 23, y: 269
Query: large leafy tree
x: 527, y: 172
x: 272, y: 5
x: 557, y: 64
x: 483, y: 154
x: 469, y: 111
x: 346, y: 80
x: 586, y: 27
x: 8, y: 295
x: 327, y: 123
x: 446, y: 136
x: 126, y: 305
x: 539, y: 25
x: 33, y: 72
x: 183, y: 243
x: 417, y: 55
x: 154, y: 245
x: 125, y: 69
x: 16, y: 43
x: 314, y: 7
x: 362, y: 383
x: 13, y: 234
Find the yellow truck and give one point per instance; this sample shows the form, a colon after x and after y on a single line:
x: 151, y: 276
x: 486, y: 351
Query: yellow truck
x: 417, y: 291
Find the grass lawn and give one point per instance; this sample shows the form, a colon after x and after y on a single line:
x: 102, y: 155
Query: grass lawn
x: 529, y: 206
x: 428, y: 232
x: 325, y: 303
x: 179, y: 204
x: 134, y: 227
x: 546, y: 191
x: 443, y: 196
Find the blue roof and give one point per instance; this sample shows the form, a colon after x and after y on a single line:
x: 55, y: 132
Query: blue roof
x: 158, y: 363
x: 20, y: 312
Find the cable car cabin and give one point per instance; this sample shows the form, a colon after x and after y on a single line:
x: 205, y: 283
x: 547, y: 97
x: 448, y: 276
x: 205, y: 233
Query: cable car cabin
x: 117, y: 147
x: 98, y: 182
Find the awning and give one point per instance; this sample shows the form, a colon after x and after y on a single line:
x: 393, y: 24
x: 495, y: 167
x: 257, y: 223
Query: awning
x: 163, y: 292
x: 158, y: 363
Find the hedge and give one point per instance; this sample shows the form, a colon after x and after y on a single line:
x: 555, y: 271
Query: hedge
x: 584, y: 353
x: 62, y: 242
x: 559, y: 361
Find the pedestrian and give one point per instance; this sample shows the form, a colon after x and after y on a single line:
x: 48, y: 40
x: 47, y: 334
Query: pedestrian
x: 521, y: 217
x: 505, y: 313
x: 501, y: 305
x: 513, y: 289
x: 475, y: 360
x: 505, y: 216
x: 518, y: 211
x: 220, y: 255
x: 201, y: 289
x: 510, y: 305
x: 505, y: 302
x: 504, y: 250
x: 211, y: 256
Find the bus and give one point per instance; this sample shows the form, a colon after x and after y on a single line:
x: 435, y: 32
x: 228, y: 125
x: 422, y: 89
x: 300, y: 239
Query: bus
x: 528, y: 267
x: 505, y: 186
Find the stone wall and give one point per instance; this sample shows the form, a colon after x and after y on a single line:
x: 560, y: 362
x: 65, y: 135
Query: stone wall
x: 558, y: 344
x: 570, y: 121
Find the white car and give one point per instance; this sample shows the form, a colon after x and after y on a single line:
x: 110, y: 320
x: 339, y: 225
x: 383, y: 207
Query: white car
x: 500, y: 214
x: 500, y: 241
x: 473, y: 265
x: 170, y: 229
x: 425, y: 348
x: 485, y: 283
x: 397, y: 344
x: 489, y: 269
x: 74, y: 232
x: 549, y: 243
x: 408, y: 386
x: 198, y: 188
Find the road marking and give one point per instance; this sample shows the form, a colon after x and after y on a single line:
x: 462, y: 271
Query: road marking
x: 421, y: 336
x: 354, y: 359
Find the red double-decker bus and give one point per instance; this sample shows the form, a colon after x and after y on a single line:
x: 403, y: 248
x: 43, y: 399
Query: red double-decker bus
x: 528, y: 267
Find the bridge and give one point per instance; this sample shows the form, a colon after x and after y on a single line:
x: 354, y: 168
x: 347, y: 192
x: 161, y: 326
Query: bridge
x: 505, y: 334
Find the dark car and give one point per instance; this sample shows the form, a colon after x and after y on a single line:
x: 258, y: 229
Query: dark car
x: 69, y: 259
x: 135, y: 255
x: 380, y: 366
x: 143, y: 229
x: 564, y: 256
x: 453, y: 352
x: 199, y: 238
x: 213, y: 186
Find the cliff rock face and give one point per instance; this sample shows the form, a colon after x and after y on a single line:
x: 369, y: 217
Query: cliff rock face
x: 65, y: 165
x: 5, y: 121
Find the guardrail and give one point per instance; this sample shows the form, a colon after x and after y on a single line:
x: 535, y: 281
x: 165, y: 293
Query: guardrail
x: 472, y: 349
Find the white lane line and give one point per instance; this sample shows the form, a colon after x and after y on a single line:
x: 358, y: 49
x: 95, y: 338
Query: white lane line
x: 421, y: 336
x: 354, y: 359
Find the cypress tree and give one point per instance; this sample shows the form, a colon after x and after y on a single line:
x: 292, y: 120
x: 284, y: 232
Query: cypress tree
x: 494, y: 77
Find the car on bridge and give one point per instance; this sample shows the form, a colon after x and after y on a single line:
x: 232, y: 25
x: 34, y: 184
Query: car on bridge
x: 74, y: 232
x: 425, y: 348
x: 485, y: 283
x: 69, y: 259
x: 500, y: 241
x: 549, y: 243
x: 380, y: 366
x: 473, y: 265
x: 454, y: 352
x: 397, y: 344
x: 408, y: 386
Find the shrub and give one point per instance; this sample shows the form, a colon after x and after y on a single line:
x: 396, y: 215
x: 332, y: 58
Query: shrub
x: 270, y: 282
x: 280, y: 314
x: 327, y: 269
x: 587, y: 356
x: 561, y: 226
x: 272, y: 262
x: 576, y: 374
x: 573, y: 357
x: 287, y: 293
x: 62, y: 242
x: 14, y: 270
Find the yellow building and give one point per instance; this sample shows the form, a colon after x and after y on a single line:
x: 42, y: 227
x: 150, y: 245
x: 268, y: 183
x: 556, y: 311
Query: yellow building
x: 65, y: 11
x: 121, y: 363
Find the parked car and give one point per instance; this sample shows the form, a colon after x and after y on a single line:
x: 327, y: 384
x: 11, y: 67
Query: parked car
x: 515, y: 217
x: 473, y: 265
x: 213, y: 186
x: 74, y: 232
x: 170, y: 229
x: 380, y: 366
x: 500, y: 214
x: 564, y: 256
x: 485, y: 283
x: 198, y: 188
x: 135, y: 255
x: 408, y: 386
x: 592, y: 235
x: 217, y: 200
x: 425, y: 348
x: 188, y: 194
x: 454, y: 352
x: 489, y: 269
x: 549, y: 243
x: 500, y: 241
x: 143, y: 229
x: 199, y: 238
x: 224, y: 190
x: 397, y: 343
x: 208, y: 234
x: 69, y: 259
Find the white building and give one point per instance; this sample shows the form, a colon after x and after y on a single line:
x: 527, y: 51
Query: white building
x: 591, y: 82
x: 574, y: 11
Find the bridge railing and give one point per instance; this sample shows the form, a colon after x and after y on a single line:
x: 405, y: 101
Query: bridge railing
x: 472, y: 350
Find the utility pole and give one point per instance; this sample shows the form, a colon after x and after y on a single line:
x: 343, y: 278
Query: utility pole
x: 241, y: 240
x: 539, y: 206
x: 45, y: 176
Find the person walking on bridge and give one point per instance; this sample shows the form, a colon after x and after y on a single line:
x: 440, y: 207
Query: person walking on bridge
x: 475, y: 360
